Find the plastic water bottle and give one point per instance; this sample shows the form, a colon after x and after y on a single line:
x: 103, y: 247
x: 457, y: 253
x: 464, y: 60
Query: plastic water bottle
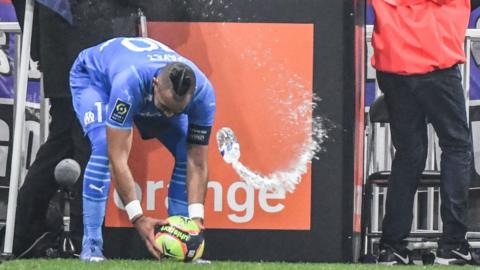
x: 228, y: 145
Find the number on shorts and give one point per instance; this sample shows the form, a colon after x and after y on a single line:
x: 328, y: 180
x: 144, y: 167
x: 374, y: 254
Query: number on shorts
x: 89, y: 116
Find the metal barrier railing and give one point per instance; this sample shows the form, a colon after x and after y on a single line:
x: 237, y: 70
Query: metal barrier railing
x: 19, y: 122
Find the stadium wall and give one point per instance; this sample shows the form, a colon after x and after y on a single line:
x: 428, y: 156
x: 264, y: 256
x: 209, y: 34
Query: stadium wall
x: 326, y: 233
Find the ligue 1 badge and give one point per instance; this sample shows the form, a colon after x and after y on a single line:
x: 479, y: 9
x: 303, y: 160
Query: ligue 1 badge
x: 120, y: 111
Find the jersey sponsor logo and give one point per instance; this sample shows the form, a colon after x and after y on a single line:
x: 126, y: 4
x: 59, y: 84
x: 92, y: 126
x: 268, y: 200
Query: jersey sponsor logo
x: 120, y: 111
x: 150, y: 114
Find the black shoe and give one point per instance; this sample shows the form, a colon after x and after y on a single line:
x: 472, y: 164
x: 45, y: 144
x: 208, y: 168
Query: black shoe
x: 454, y: 256
x: 391, y: 256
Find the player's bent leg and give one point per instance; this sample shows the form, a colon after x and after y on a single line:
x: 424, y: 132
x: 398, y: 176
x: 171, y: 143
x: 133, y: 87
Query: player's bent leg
x: 177, y: 191
x: 96, y: 185
x: 89, y: 105
x: 174, y: 139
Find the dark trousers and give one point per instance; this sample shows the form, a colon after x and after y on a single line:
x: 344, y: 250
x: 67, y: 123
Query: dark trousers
x: 65, y: 140
x: 436, y: 96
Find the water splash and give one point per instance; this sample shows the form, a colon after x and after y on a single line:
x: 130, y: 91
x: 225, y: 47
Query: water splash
x: 293, y: 102
x: 289, y: 178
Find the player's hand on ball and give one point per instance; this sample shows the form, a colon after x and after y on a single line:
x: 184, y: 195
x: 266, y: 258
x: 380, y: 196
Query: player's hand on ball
x: 145, y: 227
x: 199, y: 222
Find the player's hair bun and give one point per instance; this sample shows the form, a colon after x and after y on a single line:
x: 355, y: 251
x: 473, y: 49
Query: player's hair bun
x: 182, y: 77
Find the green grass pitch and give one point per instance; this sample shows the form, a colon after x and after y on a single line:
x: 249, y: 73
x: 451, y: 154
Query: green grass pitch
x: 63, y: 264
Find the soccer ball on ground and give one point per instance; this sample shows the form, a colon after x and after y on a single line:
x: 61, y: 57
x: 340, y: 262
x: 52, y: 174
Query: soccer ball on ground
x: 181, y: 239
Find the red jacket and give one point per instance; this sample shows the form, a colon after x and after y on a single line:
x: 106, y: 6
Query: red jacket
x: 419, y: 36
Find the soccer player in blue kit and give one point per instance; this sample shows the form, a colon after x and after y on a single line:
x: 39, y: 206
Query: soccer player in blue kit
x: 139, y: 80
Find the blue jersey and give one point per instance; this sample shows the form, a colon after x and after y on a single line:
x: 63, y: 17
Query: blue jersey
x: 123, y: 69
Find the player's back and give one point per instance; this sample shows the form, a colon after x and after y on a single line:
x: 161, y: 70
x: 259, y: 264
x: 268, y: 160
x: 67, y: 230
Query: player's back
x: 124, y: 68
x: 112, y: 57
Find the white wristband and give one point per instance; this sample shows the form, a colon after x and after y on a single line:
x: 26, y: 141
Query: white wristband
x: 133, y: 209
x: 196, y: 210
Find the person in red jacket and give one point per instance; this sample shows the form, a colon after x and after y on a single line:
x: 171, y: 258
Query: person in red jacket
x: 418, y: 45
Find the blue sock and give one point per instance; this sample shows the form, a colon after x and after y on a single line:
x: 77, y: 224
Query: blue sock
x: 96, y: 184
x: 177, y: 191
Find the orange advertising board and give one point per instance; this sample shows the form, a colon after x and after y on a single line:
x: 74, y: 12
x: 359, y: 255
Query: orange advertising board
x: 261, y: 73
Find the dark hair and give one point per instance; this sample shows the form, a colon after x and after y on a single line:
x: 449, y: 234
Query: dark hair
x: 182, y: 78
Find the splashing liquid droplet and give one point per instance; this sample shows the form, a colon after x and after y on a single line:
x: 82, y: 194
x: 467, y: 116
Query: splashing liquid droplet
x: 280, y: 180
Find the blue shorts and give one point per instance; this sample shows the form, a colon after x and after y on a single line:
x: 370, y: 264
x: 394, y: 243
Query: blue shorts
x: 89, y: 100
